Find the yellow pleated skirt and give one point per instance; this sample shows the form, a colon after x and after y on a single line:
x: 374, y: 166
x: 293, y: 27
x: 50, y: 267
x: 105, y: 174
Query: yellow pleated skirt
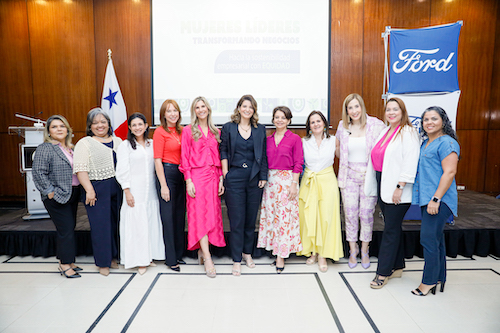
x: 319, y: 214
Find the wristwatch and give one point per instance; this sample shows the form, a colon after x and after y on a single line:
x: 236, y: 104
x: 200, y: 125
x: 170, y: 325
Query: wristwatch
x: 400, y: 187
x: 436, y: 199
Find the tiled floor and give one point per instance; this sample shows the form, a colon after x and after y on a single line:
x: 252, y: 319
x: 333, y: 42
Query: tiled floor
x: 35, y: 298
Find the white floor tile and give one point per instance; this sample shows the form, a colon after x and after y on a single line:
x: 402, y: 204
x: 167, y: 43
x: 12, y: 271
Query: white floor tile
x: 35, y: 298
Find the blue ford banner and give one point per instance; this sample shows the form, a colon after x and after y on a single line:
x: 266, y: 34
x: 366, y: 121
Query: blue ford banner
x: 424, y: 60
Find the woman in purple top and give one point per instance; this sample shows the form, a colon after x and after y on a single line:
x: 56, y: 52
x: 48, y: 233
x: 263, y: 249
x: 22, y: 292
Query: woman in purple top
x: 279, y: 228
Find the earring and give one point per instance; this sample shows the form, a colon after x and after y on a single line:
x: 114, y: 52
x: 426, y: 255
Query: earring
x: 310, y: 132
x: 324, y: 129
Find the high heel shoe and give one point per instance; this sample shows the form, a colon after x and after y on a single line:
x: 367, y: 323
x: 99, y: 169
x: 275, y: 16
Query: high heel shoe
x: 379, y: 283
x: 104, y: 271
x: 312, y: 259
x: 418, y: 292
x: 210, y: 272
x: 114, y: 264
x: 441, y: 289
x: 175, y: 268
x: 365, y: 255
x: 397, y: 273
x: 63, y: 273
x: 279, y: 270
x: 322, y: 264
x: 355, y: 256
x: 236, y: 269
x: 248, y: 260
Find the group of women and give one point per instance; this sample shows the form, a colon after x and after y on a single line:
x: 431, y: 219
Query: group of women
x: 190, y: 168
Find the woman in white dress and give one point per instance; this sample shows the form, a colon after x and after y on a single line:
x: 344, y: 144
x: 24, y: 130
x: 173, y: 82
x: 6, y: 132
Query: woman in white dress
x: 141, y: 238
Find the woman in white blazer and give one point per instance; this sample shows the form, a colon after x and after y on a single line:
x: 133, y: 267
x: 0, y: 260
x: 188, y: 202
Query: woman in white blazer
x: 391, y: 174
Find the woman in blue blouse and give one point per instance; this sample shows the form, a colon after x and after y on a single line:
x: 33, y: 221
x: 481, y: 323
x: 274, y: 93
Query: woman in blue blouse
x: 435, y: 191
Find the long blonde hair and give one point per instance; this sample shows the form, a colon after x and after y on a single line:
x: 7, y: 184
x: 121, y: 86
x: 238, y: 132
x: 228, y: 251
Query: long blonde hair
x: 346, y: 120
x: 195, y: 122
x: 46, y: 133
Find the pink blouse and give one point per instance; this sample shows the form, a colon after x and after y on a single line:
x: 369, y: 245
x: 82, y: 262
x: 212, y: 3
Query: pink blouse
x: 69, y: 156
x: 288, y: 155
x: 198, y: 154
x: 378, y: 151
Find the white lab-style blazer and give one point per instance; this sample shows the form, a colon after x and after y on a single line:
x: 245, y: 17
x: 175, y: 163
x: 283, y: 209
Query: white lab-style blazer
x: 400, y: 165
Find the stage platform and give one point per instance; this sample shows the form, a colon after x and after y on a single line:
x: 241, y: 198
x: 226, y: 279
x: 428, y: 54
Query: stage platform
x: 476, y: 232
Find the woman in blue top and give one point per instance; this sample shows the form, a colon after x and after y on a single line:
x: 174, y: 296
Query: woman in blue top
x: 435, y: 191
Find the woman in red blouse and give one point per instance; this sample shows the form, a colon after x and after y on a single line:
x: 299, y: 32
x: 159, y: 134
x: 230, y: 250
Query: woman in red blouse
x: 170, y: 185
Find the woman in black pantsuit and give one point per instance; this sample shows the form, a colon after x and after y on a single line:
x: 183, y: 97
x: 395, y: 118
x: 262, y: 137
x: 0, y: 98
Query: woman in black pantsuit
x: 244, y: 166
x: 53, y: 177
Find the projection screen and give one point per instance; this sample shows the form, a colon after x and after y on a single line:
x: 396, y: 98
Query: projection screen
x: 275, y: 50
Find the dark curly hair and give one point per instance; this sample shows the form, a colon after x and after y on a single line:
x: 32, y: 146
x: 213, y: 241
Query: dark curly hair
x: 447, y: 128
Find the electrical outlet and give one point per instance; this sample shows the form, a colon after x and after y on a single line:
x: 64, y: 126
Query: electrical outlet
x: 461, y: 187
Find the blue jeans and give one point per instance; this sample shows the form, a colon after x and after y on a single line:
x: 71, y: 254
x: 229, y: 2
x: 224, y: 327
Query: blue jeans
x: 432, y: 240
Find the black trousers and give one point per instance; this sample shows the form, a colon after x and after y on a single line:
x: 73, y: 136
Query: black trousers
x: 391, y: 254
x: 103, y: 218
x: 243, y: 198
x: 64, y: 218
x: 173, y: 214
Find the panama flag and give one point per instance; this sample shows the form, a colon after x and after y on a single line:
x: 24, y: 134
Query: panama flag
x: 112, y: 102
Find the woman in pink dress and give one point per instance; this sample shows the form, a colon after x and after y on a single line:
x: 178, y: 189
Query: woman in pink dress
x: 201, y: 166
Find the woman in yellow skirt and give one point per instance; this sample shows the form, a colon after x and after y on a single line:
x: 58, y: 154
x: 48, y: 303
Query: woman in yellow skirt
x: 319, y: 203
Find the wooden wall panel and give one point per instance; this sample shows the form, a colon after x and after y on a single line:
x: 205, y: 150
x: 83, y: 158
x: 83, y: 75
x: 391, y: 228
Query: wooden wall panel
x: 475, y: 55
x: 16, y: 92
x: 494, y: 121
x: 62, y: 52
x: 53, y: 58
x: 15, y: 64
x: 471, y: 167
x: 124, y: 26
x: 11, y: 180
x: 346, y: 70
x: 406, y: 14
x: 492, y: 174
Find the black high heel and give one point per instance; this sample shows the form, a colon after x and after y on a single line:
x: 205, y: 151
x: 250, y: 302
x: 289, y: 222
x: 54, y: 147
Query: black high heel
x: 278, y: 269
x: 418, y: 292
x: 63, y: 272
x: 441, y: 289
x: 175, y: 268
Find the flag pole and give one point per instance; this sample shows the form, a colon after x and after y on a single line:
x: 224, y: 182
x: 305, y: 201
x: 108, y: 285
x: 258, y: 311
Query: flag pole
x: 109, y: 54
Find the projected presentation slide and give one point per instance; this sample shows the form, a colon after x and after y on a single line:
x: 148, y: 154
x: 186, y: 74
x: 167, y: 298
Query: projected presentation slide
x: 275, y: 50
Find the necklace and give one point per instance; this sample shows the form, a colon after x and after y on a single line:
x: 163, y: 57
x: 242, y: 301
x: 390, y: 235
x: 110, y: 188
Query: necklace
x: 68, y: 150
x: 246, y: 130
x: 176, y: 137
